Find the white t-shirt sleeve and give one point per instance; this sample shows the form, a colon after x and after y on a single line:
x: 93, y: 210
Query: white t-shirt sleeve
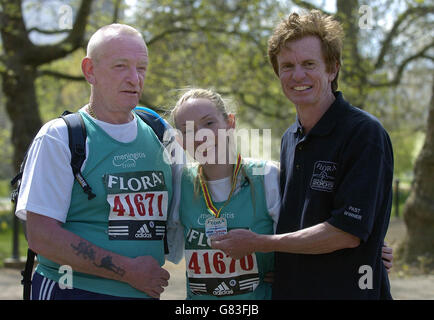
x: 47, y: 180
x: 272, y: 190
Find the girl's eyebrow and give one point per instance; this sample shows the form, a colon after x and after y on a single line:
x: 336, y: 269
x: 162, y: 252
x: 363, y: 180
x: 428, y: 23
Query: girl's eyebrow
x: 204, y: 117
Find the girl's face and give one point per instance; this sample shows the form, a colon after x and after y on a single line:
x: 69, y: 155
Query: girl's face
x: 199, y: 122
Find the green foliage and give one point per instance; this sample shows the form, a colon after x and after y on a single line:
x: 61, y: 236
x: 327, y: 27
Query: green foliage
x: 404, y: 192
x: 406, y: 145
x: 56, y: 95
x: 223, y: 45
x: 6, y: 245
x: 6, y: 221
x: 5, y: 189
x: 5, y: 146
x: 213, y: 44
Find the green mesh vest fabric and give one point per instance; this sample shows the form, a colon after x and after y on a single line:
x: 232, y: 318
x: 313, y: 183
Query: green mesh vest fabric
x: 210, y: 273
x: 133, y: 187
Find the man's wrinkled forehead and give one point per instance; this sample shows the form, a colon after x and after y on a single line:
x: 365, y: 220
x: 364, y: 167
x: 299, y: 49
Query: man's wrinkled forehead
x: 125, y: 44
x: 105, y: 41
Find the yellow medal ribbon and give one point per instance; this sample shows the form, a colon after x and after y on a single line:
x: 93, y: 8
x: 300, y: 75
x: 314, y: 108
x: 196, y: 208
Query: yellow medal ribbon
x: 206, y: 195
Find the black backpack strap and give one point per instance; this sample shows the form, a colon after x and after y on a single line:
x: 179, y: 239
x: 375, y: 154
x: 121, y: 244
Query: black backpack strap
x: 77, y: 145
x: 153, y: 120
x: 27, y: 274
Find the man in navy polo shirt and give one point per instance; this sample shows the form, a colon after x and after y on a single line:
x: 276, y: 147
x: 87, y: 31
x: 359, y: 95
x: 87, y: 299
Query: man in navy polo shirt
x: 336, y: 176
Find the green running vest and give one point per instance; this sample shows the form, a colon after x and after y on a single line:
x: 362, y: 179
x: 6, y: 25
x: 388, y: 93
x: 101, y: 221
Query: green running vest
x: 133, y: 187
x: 211, y: 275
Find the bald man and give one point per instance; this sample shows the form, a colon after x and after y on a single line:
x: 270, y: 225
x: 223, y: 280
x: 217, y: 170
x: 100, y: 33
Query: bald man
x: 107, y: 247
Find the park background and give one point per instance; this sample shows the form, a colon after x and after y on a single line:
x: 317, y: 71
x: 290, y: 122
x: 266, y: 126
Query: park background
x: 387, y: 70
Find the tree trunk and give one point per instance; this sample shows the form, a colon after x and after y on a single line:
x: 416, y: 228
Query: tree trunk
x: 22, y: 108
x: 419, y: 208
x: 21, y: 59
x: 352, y: 70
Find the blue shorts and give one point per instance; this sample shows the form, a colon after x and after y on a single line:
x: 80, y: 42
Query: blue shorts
x: 46, y: 289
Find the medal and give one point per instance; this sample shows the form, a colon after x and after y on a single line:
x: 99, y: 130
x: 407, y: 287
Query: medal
x: 217, y: 225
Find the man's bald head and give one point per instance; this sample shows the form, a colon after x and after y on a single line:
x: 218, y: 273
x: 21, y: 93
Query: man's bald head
x: 103, y: 36
x: 115, y: 67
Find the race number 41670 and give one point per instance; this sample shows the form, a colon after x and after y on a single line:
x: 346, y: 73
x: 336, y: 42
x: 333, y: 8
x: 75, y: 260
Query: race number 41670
x: 209, y: 262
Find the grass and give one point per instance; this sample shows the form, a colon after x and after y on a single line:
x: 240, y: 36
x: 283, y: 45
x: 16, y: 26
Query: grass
x: 6, y: 245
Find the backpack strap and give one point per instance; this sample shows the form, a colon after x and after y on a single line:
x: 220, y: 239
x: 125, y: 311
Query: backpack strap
x: 27, y: 274
x: 153, y: 120
x: 77, y: 144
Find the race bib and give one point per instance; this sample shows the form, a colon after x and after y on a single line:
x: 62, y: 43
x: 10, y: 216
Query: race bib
x: 138, y: 205
x: 211, y: 272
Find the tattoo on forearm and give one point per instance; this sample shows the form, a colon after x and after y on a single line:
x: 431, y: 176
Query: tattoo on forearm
x: 107, y: 263
x: 85, y: 250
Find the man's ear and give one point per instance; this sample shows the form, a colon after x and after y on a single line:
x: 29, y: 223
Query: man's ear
x: 334, y: 72
x: 231, y: 120
x: 87, y: 67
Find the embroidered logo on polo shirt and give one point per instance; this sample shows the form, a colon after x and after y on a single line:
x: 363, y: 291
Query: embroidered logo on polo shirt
x: 323, y: 177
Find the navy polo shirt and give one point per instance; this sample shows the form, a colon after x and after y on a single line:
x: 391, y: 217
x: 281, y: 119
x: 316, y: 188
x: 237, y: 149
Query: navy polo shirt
x: 341, y: 173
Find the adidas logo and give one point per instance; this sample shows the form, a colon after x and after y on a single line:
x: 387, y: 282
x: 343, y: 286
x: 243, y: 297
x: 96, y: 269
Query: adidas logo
x: 143, y: 232
x: 222, y: 290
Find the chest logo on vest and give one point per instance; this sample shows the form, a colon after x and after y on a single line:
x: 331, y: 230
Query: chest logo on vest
x: 127, y: 160
x: 202, y: 218
x: 323, y: 176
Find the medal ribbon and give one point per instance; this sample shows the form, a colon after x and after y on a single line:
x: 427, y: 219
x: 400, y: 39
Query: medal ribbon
x: 207, y: 196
